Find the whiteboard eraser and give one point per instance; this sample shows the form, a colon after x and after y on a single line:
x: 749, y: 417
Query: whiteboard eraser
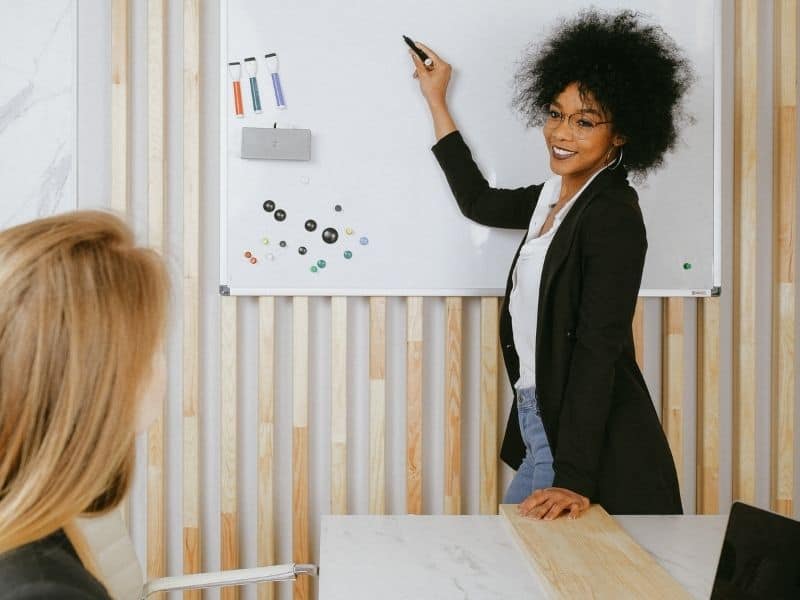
x: 270, y: 143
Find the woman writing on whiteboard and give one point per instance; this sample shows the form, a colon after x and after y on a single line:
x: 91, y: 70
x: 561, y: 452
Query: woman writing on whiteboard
x: 607, y: 90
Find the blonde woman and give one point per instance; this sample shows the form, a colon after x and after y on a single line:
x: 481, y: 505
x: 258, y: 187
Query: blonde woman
x: 82, y: 318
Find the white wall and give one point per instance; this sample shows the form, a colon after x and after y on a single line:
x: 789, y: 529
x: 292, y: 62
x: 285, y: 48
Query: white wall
x: 38, y: 61
x: 94, y: 185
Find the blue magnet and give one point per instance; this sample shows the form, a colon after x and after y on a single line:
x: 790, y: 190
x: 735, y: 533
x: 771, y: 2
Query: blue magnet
x: 363, y: 241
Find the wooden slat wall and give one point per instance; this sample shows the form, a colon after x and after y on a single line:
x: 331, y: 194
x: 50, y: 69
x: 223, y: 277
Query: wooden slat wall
x: 452, y: 407
x: 672, y: 379
x: 266, y: 440
x: 745, y: 284
x: 784, y: 215
x: 638, y: 332
x: 377, y: 405
x: 119, y: 105
x: 414, y: 405
x: 490, y: 360
x: 229, y: 514
x: 707, y: 414
x: 339, y: 405
x: 709, y: 317
x: 300, y: 541
x: 192, y: 554
x: 156, y: 555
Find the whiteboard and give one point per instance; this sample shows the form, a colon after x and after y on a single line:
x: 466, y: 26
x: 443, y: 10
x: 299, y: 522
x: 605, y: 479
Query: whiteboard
x: 346, y: 76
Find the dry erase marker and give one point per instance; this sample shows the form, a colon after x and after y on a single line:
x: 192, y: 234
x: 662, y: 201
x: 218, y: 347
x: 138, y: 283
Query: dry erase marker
x: 252, y: 68
x: 235, y: 71
x: 426, y: 60
x: 272, y: 65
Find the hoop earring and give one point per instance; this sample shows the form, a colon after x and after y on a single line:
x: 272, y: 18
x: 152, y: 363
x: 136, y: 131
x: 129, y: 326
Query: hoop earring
x: 616, y: 162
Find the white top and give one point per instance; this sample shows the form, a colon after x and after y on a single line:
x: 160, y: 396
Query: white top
x: 404, y: 557
x: 523, y: 302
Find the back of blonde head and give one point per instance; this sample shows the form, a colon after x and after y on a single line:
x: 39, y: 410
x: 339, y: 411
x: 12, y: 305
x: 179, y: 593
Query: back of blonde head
x: 82, y: 312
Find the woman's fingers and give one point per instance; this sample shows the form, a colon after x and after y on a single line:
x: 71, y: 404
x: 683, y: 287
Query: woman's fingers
x: 531, y: 502
x: 435, y: 57
x: 550, y: 503
x: 555, y: 510
x: 417, y: 62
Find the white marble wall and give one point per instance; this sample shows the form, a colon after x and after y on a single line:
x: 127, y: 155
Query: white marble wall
x: 38, y: 108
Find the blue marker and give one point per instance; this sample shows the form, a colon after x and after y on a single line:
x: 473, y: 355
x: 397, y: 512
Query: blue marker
x: 272, y: 65
x: 252, y: 67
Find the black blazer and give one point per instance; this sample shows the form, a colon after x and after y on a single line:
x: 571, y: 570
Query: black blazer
x: 603, y: 430
x: 47, y: 568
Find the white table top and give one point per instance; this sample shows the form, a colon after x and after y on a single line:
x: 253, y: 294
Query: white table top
x: 475, y: 557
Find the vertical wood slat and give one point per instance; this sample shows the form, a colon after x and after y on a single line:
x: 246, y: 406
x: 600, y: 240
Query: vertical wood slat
x: 452, y: 407
x: 672, y: 379
x: 784, y: 215
x: 266, y: 440
x: 191, y: 289
x: 414, y: 342
x: 300, y: 541
x: 638, y: 332
x: 229, y: 530
x: 156, y: 535
x: 488, y: 414
x: 707, y: 415
x: 119, y: 105
x: 377, y: 405
x: 339, y: 405
x: 745, y: 285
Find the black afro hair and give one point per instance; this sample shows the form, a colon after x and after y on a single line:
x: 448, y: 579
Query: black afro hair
x: 631, y: 68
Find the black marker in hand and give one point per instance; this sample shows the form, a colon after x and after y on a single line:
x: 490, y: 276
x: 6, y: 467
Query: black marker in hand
x: 426, y: 60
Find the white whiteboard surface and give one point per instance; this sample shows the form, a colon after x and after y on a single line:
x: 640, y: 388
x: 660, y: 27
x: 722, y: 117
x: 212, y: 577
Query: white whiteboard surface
x: 346, y: 76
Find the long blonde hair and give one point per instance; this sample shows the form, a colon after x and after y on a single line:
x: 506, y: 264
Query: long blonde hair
x: 82, y: 312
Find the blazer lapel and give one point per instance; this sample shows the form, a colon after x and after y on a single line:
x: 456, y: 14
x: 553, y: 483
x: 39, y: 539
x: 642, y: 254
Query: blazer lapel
x: 562, y: 240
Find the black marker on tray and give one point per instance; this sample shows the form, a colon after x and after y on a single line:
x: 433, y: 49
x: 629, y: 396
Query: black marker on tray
x: 426, y: 60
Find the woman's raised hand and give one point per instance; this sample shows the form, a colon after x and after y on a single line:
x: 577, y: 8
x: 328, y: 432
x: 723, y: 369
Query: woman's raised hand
x: 432, y: 82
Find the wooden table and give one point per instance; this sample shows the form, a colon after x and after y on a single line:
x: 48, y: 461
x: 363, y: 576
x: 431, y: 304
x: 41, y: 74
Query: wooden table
x: 476, y: 557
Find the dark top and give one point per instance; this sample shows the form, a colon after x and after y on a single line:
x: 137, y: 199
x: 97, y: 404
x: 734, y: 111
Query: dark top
x: 603, y: 430
x: 47, y: 568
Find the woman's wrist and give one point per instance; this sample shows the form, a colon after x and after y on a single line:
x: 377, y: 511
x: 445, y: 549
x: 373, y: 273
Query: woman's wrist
x: 438, y: 105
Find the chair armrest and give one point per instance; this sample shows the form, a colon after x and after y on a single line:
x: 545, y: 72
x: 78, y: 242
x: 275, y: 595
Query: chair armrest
x: 287, y: 572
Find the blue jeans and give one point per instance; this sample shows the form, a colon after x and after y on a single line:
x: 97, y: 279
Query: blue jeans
x: 536, y: 470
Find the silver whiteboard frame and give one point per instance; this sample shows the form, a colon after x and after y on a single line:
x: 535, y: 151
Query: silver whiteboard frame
x: 226, y: 290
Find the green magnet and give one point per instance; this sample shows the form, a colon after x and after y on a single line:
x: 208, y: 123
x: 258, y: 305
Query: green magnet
x: 313, y: 268
x: 321, y: 263
x: 348, y: 254
x: 687, y: 266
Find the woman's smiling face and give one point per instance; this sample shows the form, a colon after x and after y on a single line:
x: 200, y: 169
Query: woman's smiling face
x: 577, y: 152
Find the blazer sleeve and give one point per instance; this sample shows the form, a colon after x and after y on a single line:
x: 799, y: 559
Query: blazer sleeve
x: 507, y: 208
x: 614, y: 246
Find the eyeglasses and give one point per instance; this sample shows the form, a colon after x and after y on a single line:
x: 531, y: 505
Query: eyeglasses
x: 581, y: 124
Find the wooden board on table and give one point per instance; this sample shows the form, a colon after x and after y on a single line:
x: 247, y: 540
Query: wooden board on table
x: 590, y: 557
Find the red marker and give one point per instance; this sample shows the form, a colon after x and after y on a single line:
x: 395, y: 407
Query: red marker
x: 235, y: 71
